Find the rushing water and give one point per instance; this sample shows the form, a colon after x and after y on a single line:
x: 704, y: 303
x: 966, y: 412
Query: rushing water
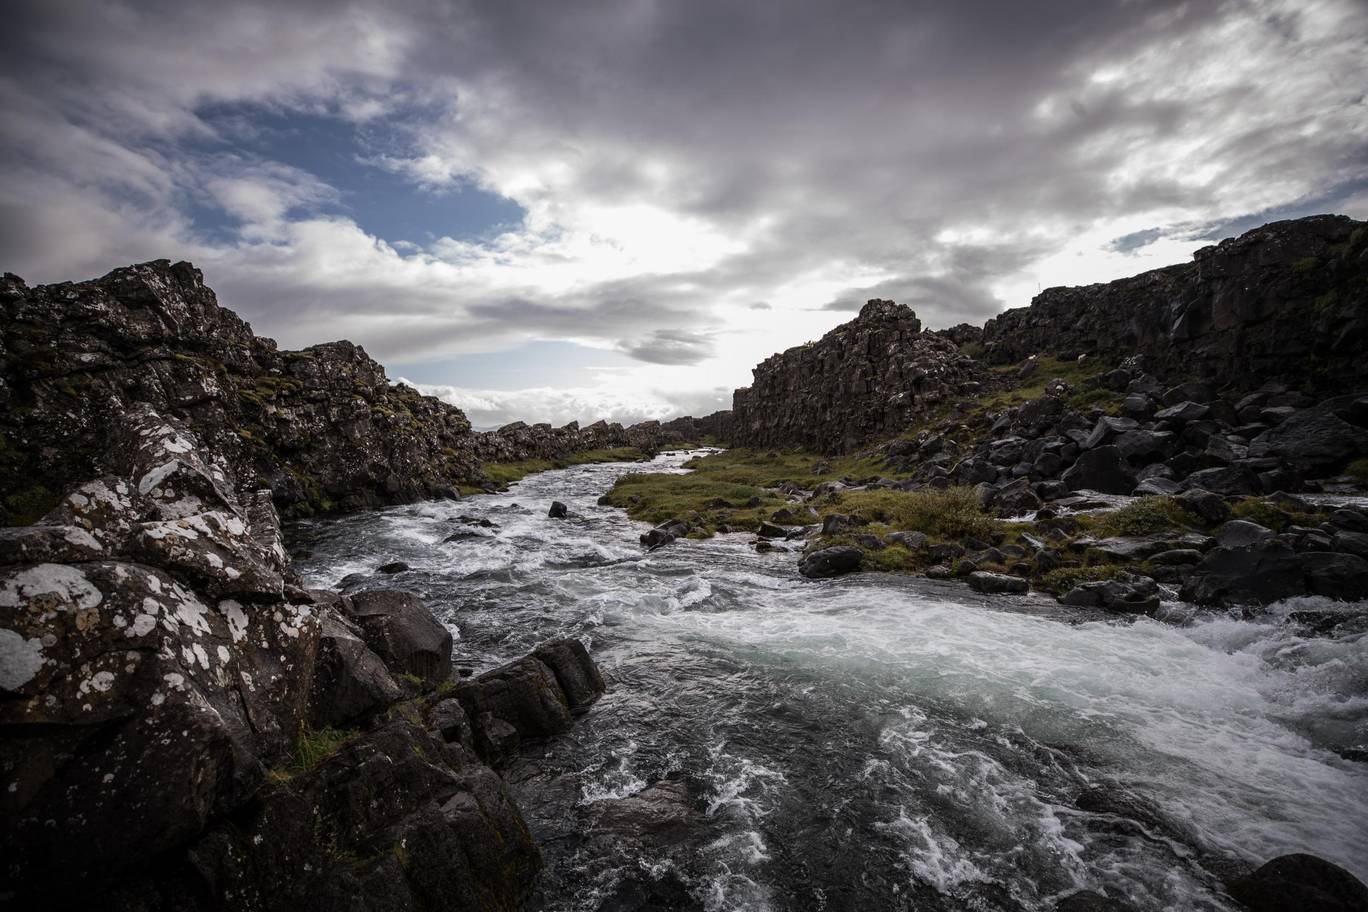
x: 875, y: 742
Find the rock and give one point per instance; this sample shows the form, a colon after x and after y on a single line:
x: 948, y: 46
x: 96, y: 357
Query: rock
x: 1107, y: 428
x: 1016, y: 499
x: 401, y: 630
x: 770, y: 530
x: 1314, y: 440
x: 558, y: 510
x: 524, y: 695
x: 1156, y: 486
x: 1139, y: 547
x: 1349, y: 542
x: 997, y: 583
x: 1128, y: 593
x: 1089, y: 901
x: 1334, y: 575
x: 1300, y: 883
x: 350, y: 683
x: 663, y: 811
x: 393, y: 567
x: 1182, y: 412
x: 1241, y: 533
x: 1210, y: 507
x: 579, y: 678
x: 1177, y: 557
x: 449, y: 720
x: 1256, y: 574
x: 1355, y: 520
x: 1228, y: 480
x: 868, y: 378
x: 912, y: 541
x: 829, y: 562
x: 870, y: 542
x: 1142, y: 445
x: 1101, y: 469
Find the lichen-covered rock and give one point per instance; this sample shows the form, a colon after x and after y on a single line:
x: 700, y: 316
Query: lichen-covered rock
x: 400, y: 629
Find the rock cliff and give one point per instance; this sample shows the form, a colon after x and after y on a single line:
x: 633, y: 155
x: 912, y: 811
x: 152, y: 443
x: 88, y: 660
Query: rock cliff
x: 867, y: 378
x: 1285, y: 302
x: 185, y: 728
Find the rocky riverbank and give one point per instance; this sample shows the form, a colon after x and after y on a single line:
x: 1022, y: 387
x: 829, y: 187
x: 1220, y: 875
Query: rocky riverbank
x: 188, y: 728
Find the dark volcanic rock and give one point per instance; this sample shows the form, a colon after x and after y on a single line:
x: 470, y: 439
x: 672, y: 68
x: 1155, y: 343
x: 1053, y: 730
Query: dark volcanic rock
x: 1101, y: 469
x: 829, y: 562
x: 1129, y: 593
x: 1313, y: 440
x: 558, y: 510
x: 997, y: 583
x: 1286, y: 300
x: 869, y: 377
x: 1300, y: 883
x: 575, y: 671
x: 398, y: 626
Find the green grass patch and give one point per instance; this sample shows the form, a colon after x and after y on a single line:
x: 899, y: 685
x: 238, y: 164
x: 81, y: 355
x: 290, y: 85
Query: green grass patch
x: 1061, y: 580
x: 1358, y: 470
x: 1145, y: 516
x: 505, y: 473
x: 313, y: 746
x: 948, y: 513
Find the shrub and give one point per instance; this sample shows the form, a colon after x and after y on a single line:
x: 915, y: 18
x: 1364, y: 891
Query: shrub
x: 950, y: 513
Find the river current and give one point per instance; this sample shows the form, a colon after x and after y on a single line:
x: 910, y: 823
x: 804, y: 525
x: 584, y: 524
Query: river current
x: 877, y: 742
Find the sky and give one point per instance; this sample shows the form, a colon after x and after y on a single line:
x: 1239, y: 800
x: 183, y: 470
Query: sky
x: 555, y: 211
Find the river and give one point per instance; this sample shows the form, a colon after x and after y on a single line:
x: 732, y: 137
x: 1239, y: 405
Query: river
x: 878, y: 742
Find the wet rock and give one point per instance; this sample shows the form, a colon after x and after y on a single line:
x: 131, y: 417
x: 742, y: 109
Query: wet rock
x: 449, y: 720
x: 401, y: 630
x: 1090, y: 901
x: 558, y: 510
x: 1300, y: 883
x: 1256, y: 574
x: 997, y: 583
x: 1139, y: 547
x: 524, y: 695
x: 770, y: 530
x: 1128, y: 593
x: 393, y: 567
x: 829, y: 562
x: 1101, y: 469
x: 1156, y: 486
x: 579, y: 678
x: 1334, y: 575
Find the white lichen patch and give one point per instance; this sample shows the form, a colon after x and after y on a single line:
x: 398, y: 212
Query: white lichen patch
x: 67, y: 585
x: 20, y: 659
x: 100, y: 682
x: 156, y: 476
x: 236, y: 617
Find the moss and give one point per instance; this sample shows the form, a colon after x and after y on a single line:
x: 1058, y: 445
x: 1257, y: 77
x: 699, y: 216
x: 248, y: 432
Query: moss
x: 28, y: 505
x: 1061, y: 580
x: 1306, y: 264
x: 505, y: 473
x: 1358, y: 470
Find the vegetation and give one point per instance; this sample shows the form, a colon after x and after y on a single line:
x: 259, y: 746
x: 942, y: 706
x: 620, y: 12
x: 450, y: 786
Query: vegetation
x: 313, y: 746
x: 505, y: 473
x: 1146, y: 516
x: 1358, y: 470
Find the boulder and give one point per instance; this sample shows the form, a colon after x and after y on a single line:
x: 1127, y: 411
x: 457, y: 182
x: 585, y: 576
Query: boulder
x: 770, y: 530
x: 1335, y: 575
x: 1316, y: 440
x: 1258, y: 574
x: 350, y: 683
x: 1016, y: 499
x: 1241, y: 533
x: 1101, y: 469
x: 579, y: 678
x: 1230, y: 480
x: 1200, y: 502
x: 828, y: 562
x: 912, y: 541
x: 401, y: 630
x: 1127, y: 593
x: 558, y: 510
x: 1300, y: 883
x: 524, y: 695
x: 997, y: 583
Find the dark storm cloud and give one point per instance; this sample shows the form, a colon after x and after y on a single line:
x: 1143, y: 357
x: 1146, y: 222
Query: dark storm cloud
x: 943, y: 148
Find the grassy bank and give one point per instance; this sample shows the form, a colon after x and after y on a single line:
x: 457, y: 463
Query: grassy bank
x: 737, y: 490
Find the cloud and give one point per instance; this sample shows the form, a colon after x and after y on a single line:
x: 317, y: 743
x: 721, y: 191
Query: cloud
x: 664, y: 346
x: 702, y: 184
x: 489, y: 409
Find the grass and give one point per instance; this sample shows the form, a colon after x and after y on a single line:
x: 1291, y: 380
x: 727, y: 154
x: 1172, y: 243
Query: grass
x: 505, y: 473
x: 948, y: 513
x: 1358, y: 470
x: 313, y: 746
x: 1145, y: 516
x: 1274, y: 516
x: 1062, y: 579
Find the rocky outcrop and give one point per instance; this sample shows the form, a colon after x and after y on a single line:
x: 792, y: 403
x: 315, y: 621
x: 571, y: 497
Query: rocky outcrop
x: 1286, y: 302
x: 209, y: 735
x: 320, y: 428
x: 867, y: 378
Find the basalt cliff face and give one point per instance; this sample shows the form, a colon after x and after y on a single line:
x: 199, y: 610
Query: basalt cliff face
x: 865, y: 379
x: 1285, y: 302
